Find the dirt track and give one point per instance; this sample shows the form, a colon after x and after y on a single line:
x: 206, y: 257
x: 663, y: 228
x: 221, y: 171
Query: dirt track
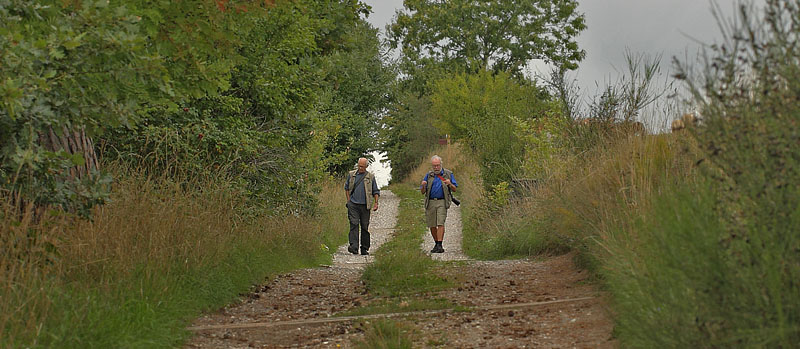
x: 531, y: 304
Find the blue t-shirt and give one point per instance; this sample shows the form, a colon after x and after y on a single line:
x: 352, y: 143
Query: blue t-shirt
x: 437, y: 191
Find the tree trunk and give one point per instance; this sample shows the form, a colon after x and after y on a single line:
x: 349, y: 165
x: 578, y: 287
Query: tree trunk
x: 73, y: 141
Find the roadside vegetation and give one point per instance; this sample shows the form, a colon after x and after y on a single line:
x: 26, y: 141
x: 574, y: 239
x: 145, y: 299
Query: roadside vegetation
x: 694, y: 233
x: 158, y: 158
x: 149, y: 261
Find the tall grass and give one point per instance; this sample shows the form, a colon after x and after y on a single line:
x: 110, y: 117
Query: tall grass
x: 695, y: 235
x: 716, y: 261
x: 679, y: 285
x: 152, y: 259
x: 585, y: 195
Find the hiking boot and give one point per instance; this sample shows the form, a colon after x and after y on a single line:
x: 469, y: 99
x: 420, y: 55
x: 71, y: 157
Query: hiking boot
x: 439, y: 249
x: 435, y: 249
x: 364, y: 252
x: 352, y: 250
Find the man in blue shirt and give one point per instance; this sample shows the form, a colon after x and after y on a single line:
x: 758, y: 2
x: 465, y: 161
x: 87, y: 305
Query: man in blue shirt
x: 358, y: 188
x: 437, y: 187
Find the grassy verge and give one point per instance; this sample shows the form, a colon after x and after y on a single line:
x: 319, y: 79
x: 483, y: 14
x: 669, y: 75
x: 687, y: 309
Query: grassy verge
x: 401, y: 268
x: 581, y: 201
x: 149, y: 262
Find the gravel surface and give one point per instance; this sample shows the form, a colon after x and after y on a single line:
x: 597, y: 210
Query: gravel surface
x: 319, y: 293
x: 381, y: 227
x: 304, y: 294
x: 581, y: 324
x: 452, y: 238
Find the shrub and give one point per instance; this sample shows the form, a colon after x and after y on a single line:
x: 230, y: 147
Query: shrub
x: 485, y: 111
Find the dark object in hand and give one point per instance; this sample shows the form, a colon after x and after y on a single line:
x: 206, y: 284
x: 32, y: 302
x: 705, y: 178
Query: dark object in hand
x: 455, y: 201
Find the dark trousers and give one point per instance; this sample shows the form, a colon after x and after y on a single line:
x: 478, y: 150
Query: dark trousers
x: 358, y: 214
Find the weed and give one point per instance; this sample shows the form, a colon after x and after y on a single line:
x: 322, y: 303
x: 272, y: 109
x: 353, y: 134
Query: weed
x: 385, y: 334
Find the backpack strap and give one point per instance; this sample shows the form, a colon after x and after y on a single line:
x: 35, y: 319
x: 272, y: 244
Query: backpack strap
x: 358, y: 182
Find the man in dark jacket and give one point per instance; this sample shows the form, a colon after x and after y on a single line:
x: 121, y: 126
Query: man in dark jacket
x: 358, y: 188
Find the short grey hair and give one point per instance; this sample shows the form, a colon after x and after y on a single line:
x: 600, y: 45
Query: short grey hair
x: 436, y: 157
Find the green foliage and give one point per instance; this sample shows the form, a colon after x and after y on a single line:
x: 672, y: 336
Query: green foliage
x: 500, y: 194
x: 410, y: 134
x: 497, y: 35
x: 546, y: 138
x: 63, y: 65
x: 192, y: 87
x: 358, y: 83
x: 486, y: 111
x: 304, y: 95
x: 451, y: 52
x: 196, y: 41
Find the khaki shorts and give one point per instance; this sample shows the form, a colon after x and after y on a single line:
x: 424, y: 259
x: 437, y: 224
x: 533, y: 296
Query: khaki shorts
x: 435, y: 213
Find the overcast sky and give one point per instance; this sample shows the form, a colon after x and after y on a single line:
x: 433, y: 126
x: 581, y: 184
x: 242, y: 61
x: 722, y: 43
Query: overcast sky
x: 666, y: 27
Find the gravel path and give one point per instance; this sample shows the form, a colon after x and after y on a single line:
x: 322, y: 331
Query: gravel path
x: 381, y: 226
x: 452, y: 238
x: 290, y: 311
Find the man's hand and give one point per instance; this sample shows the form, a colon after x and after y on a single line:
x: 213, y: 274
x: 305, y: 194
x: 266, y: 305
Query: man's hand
x: 423, y: 186
x: 446, y: 181
x: 375, y: 207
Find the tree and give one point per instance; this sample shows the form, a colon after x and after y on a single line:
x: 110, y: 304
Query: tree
x: 66, y: 71
x: 500, y: 35
x: 485, y: 111
x: 358, y: 83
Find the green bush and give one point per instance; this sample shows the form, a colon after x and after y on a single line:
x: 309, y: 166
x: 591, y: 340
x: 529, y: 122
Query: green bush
x: 488, y: 111
x: 411, y: 134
